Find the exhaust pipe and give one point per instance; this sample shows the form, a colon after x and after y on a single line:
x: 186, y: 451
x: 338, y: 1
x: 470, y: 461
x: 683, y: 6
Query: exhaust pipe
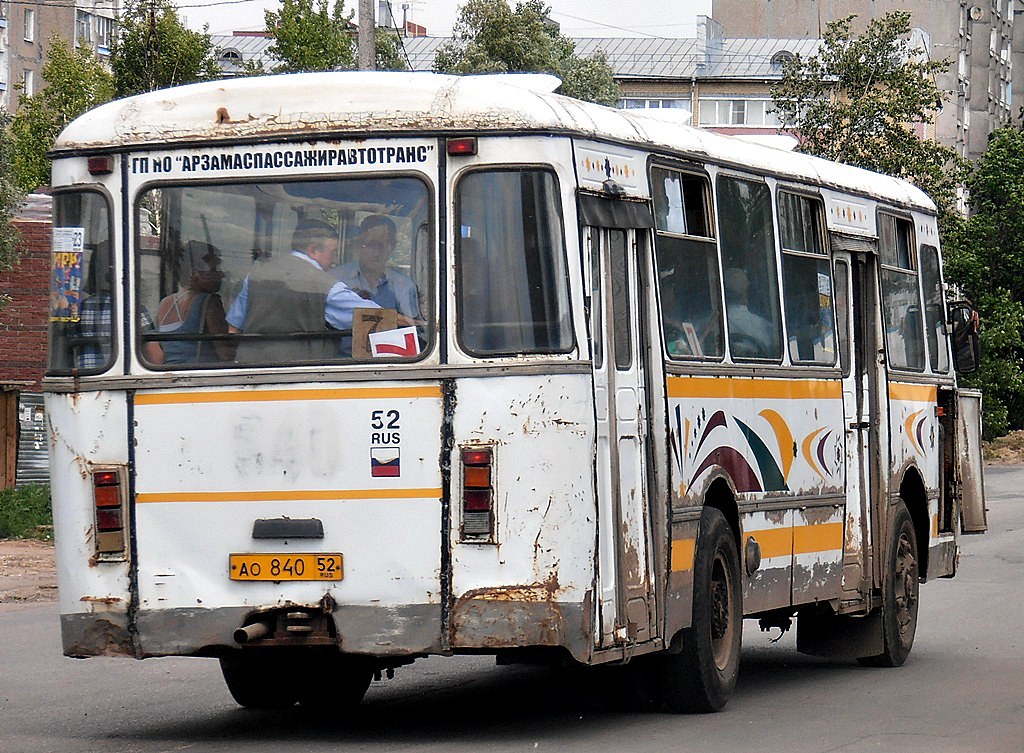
x: 251, y: 632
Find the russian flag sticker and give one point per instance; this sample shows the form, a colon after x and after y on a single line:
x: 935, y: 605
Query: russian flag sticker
x: 385, y: 462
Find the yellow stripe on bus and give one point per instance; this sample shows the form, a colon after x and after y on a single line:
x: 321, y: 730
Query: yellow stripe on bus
x: 682, y: 554
x: 244, y: 396
x: 822, y: 537
x: 774, y: 542
x: 914, y: 393
x: 781, y: 389
x: 287, y: 496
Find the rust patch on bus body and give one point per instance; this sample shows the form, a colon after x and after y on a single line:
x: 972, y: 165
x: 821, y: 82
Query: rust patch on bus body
x: 97, y: 637
x: 546, y: 590
x: 515, y: 616
x: 108, y: 600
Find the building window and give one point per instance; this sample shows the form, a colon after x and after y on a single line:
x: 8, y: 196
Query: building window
x: 661, y: 103
x: 30, y: 25
x: 28, y: 83
x: 738, y: 112
x: 104, y: 31
x: 83, y: 28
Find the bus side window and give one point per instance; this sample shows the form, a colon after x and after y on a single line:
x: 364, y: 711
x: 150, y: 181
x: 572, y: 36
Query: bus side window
x: 513, y: 295
x: 806, y: 280
x: 842, y: 281
x: 688, y: 276
x: 934, y: 311
x: 750, y: 279
x: 901, y: 302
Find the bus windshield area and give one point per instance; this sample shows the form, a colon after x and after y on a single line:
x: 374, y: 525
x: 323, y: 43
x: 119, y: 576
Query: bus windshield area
x: 277, y: 273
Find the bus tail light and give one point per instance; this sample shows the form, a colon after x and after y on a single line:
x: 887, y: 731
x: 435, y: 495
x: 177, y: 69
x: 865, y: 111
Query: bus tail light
x: 461, y: 147
x: 101, y: 165
x: 477, y: 493
x: 108, y: 501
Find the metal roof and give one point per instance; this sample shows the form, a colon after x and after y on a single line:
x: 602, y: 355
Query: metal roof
x: 659, y: 57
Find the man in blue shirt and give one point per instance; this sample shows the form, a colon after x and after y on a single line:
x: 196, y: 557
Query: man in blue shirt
x: 368, y: 273
x: 294, y: 295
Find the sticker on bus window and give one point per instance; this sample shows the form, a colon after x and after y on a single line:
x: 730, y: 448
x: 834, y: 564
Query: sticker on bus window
x: 395, y: 342
x: 66, y: 274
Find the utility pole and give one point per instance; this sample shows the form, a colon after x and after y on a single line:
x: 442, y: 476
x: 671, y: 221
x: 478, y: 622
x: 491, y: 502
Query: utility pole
x: 367, y: 36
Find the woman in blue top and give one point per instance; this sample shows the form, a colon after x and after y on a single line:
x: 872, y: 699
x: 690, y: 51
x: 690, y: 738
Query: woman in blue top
x: 195, y: 309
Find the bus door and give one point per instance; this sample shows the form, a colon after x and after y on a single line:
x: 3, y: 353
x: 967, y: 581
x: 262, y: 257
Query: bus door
x: 625, y: 572
x: 856, y: 311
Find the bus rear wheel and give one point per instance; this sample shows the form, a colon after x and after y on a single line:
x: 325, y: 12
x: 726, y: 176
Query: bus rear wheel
x: 334, y: 683
x: 702, y: 676
x: 900, y: 594
x: 260, y: 681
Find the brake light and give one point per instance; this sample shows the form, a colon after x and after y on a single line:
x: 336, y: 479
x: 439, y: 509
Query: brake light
x: 108, y: 504
x: 477, y: 493
x: 101, y: 165
x: 462, y: 147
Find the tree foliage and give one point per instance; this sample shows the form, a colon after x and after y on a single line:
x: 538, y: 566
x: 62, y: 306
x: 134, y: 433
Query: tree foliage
x: 862, y: 99
x: 153, y: 49
x: 491, y: 37
x: 76, y: 81
x: 985, y: 262
x: 390, y: 54
x: 309, y: 35
x: 10, y: 197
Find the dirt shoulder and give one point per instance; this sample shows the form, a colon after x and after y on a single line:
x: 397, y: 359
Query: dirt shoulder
x: 27, y: 571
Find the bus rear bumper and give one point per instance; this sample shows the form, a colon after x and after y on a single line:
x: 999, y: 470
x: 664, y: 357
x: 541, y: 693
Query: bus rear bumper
x: 368, y: 630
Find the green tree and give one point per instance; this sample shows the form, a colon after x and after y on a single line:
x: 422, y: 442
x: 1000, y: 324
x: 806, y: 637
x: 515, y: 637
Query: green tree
x: 491, y: 37
x: 390, y: 54
x: 10, y: 197
x: 311, y: 36
x: 858, y: 100
x: 985, y: 263
x: 153, y: 49
x: 76, y: 81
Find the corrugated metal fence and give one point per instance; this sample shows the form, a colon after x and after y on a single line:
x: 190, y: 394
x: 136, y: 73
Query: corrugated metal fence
x: 33, y: 455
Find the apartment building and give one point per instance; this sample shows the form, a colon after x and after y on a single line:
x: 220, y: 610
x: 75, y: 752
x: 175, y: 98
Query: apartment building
x: 976, y: 36
x: 26, y: 27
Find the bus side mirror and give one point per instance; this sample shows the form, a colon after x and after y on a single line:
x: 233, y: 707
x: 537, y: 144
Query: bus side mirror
x: 966, y: 343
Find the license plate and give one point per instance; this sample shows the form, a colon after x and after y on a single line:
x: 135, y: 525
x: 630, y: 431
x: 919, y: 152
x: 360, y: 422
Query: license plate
x: 275, y: 567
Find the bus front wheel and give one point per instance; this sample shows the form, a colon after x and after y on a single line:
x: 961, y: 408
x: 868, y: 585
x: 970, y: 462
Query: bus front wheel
x: 702, y: 676
x: 900, y: 594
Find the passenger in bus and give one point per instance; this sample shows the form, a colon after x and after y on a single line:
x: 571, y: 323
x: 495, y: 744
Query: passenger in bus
x: 690, y: 315
x: 294, y: 295
x: 369, y: 275
x: 196, y: 309
x: 91, y: 340
x: 750, y: 334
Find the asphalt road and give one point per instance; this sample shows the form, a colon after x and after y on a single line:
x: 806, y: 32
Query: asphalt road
x: 961, y: 690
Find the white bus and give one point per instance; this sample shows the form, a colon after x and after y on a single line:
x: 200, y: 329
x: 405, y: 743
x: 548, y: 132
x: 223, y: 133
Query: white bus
x: 348, y: 369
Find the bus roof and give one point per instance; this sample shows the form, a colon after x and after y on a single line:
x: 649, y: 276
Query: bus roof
x: 360, y: 104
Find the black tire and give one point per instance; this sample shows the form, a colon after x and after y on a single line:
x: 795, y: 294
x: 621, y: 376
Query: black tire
x: 334, y: 683
x: 702, y: 676
x: 899, y: 594
x: 260, y: 681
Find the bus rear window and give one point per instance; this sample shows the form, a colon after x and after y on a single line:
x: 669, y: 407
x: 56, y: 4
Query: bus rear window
x: 82, y: 287
x: 513, y: 296
x: 282, y: 273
